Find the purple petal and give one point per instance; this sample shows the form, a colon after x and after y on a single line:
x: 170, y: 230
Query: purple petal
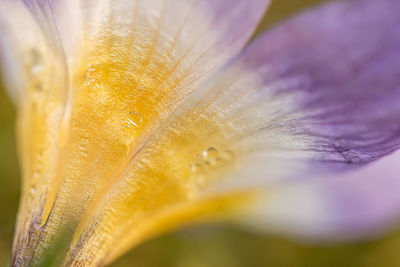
x: 332, y: 76
x: 367, y: 199
x: 325, y: 84
x: 315, y: 95
x: 343, y: 63
x: 362, y: 203
x: 226, y: 15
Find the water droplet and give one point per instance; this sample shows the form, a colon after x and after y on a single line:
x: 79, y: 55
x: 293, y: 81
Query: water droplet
x: 93, y: 78
x: 128, y: 123
x: 84, y: 147
x: 137, y: 115
x: 134, y: 120
x: 209, y: 159
x: 206, y: 162
x: 94, y: 83
x: 211, y: 156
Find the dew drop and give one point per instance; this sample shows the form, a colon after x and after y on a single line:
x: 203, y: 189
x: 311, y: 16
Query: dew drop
x: 138, y: 116
x: 206, y: 162
x: 209, y: 159
x: 84, y: 147
x: 93, y: 78
x: 211, y: 156
x: 135, y: 119
x: 126, y: 124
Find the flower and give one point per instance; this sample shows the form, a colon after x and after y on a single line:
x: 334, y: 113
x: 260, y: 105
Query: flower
x: 138, y: 117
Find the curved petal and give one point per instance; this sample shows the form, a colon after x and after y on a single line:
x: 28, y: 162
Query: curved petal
x: 312, y: 97
x: 131, y: 166
x: 319, y: 97
x: 293, y: 105
x: 22, y: 52
x: 182, y: 38
x: 361, y: 203
x: 122, y: 66
x: 342, y: 75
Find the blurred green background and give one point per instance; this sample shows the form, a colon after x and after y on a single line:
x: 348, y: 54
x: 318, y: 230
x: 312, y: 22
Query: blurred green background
x: 208, y: 246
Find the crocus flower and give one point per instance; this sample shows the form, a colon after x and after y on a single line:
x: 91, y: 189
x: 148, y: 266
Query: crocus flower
x: 138, y: 117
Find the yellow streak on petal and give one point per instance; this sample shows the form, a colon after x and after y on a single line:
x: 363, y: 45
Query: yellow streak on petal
x: 111, y: 162
x: 172, y: 168
x: 210, y: 209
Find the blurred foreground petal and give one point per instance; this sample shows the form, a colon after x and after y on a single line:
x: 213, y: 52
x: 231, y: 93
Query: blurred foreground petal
x: 361, y: 203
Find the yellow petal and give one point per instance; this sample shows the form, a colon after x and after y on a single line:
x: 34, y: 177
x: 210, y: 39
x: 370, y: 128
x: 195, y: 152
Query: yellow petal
x: 94, y: 120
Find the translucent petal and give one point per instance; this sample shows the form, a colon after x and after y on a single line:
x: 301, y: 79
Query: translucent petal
x: 104, y: 76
